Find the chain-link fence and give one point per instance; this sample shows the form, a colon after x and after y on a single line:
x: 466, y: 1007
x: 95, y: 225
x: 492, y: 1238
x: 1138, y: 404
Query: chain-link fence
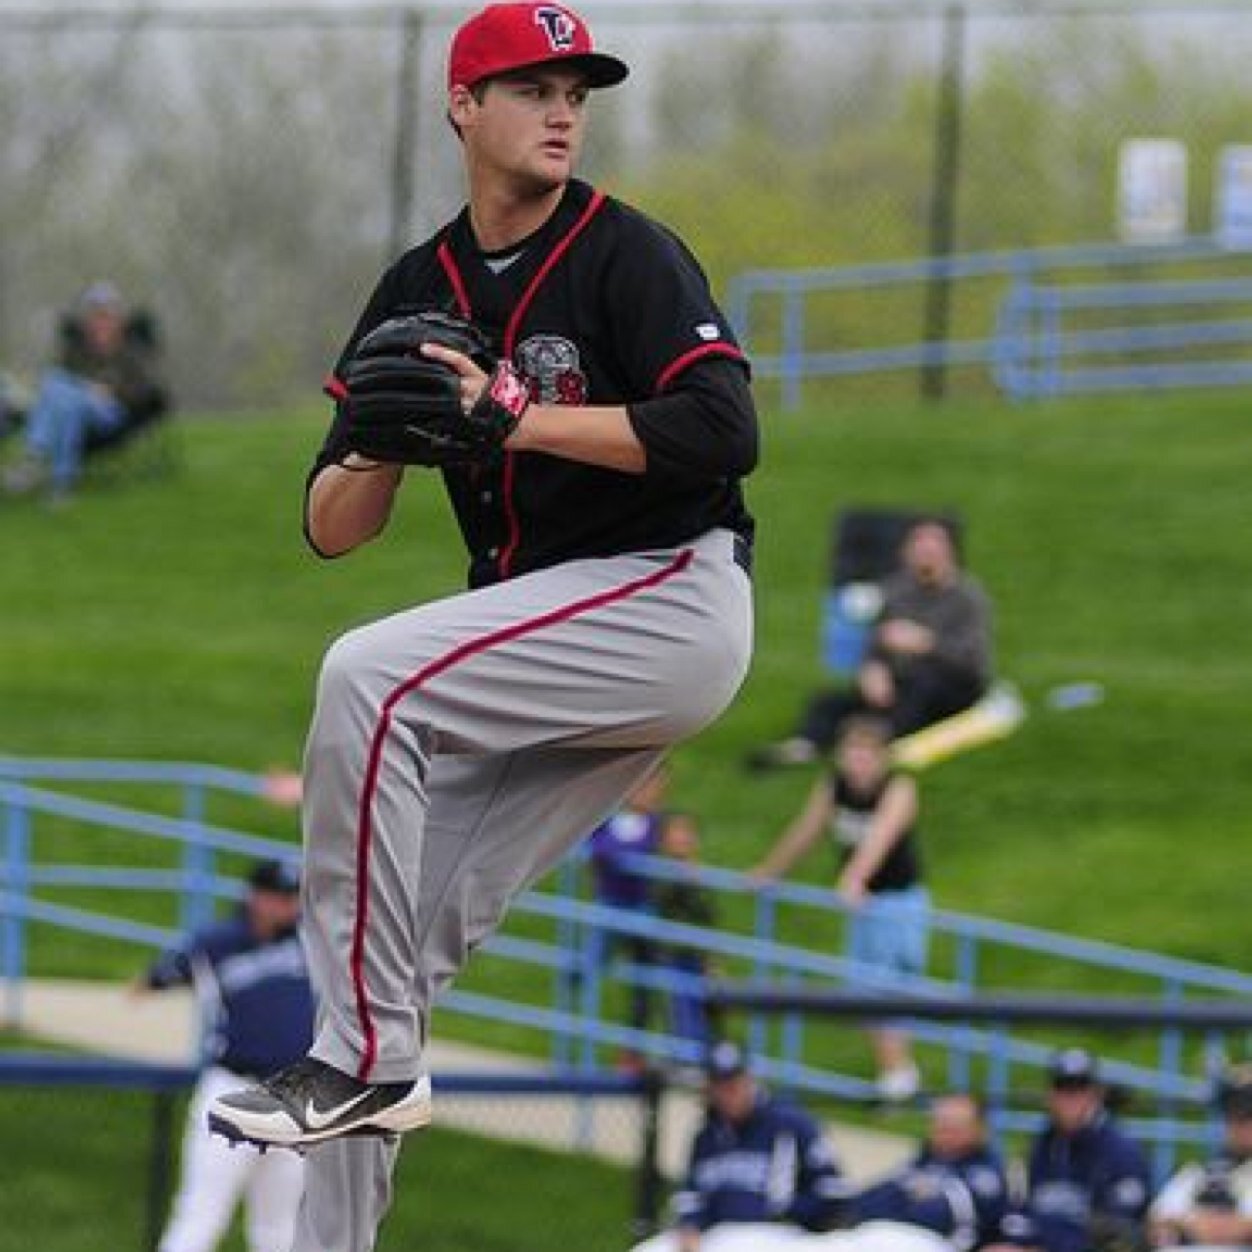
x: 247, y: 170
x: 91, y: 1154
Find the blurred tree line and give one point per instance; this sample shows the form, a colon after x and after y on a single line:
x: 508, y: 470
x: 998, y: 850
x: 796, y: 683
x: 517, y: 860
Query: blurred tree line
x: 239, y: 178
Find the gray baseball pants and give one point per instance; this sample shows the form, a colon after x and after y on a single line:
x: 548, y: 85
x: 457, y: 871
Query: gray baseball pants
x: 458, y: 750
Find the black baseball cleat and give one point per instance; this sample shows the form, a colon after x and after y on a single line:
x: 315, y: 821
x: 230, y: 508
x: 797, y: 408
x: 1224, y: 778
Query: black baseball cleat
x: 310, y: 1102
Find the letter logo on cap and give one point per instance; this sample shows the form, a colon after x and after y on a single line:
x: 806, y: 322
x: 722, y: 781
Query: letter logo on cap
x: 559, y: 26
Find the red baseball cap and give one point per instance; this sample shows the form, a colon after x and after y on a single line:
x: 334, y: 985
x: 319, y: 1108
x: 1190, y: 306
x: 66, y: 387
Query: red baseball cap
x: 506, y: 37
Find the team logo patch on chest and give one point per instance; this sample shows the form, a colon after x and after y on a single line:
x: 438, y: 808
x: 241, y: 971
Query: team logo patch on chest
x: 553, y: 370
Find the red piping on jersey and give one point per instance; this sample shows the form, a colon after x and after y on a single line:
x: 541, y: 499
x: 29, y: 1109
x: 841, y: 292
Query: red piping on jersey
x: 504, y: 565
x: 334, y: 388
x: 448, y: 261
x: 676, y: 367
x: 365, y: 826
x: 562, y: 246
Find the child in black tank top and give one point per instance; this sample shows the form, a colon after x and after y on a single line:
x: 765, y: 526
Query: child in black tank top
x: 870, y: 813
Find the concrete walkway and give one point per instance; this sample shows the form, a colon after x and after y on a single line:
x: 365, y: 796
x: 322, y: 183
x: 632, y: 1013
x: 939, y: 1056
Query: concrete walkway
x: 112, y: 1020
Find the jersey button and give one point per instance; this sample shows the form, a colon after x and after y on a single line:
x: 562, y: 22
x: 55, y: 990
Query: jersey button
x: 492, y: 553
x: 486, y: 497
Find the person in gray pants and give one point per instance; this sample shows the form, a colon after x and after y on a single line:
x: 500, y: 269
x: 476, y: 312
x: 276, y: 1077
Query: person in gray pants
x: 461, y: 747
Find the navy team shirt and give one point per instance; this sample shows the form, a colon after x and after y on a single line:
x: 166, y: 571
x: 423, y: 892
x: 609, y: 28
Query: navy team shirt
x: 258, y: 993
x: 962, y: 1198
x: 1076, y: 1183
x: 774, y: 1167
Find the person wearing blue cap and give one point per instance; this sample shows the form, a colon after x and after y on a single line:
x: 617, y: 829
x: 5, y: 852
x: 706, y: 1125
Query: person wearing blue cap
x: 1088, y: 1182
x: 757, y: 1163
x: 249, y: 974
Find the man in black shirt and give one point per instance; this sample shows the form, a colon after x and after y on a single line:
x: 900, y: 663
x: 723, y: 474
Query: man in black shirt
x: 929, y: 653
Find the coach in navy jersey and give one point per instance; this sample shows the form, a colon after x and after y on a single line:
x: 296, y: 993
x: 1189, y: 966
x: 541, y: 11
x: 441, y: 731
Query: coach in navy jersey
x: 756, y: 1160
x: 461, y: 746
x: 1088, y: 1182
x: 250, y: 977
x: 955, y: 1186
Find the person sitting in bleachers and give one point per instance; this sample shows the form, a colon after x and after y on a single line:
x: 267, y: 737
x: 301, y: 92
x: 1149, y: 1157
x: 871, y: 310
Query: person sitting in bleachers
x: 102, y: 387
x: 929, y: 654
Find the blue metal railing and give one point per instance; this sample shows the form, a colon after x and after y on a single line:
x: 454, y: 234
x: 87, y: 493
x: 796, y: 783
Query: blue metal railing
x: 564, y: 936
x: 1026, y: 348
x: 1038, y: 351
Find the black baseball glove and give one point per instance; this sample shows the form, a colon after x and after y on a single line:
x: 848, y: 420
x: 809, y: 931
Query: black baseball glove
x: 405, y: 408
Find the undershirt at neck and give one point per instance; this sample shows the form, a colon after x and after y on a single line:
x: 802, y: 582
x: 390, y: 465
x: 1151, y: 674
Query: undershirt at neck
x: 498, y: 262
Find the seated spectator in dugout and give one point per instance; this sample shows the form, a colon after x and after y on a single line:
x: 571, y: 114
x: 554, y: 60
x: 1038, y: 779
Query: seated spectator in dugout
x: 102, y: 387
x: 1087, y: 1181
x: 1209, y: 1204
x: 929, y: 654
x: 951, y: 1197
x: 758, y: 1166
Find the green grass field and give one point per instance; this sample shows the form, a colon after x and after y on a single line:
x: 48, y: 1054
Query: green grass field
x: 453, y: 1190
x: 181, y: 618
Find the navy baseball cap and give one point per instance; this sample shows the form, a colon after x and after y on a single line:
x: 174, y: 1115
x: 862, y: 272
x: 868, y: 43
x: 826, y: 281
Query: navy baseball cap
x: 1234, y: 1092
x: 276, y: 876
x: 1074, y: 1067
x: 507, y: 37
x: 726, y: 1059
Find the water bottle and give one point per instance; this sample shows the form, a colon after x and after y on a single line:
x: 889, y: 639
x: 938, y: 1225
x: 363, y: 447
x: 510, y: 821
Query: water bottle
x: 849, y: 613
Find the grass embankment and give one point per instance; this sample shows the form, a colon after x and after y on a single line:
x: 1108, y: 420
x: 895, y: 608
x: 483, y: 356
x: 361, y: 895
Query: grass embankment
x: 181, y: 618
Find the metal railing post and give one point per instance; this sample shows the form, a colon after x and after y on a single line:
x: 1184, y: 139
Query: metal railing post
x: 1215, y: 1059
x: 590, y: 978
x: 1170, y: 1062
x: 738, y: 305
x: 792, y: 345
x: 959, y: 1051
x: 196, y: 906
x: 1049, y: 343
x: 793, y: 1037
x: 763, y: 930
x: 997, y: 1087
x: 17, y: 885
x: 567, y: 975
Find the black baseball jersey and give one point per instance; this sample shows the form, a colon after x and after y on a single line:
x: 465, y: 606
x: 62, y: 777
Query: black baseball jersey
x: 600, y: 306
